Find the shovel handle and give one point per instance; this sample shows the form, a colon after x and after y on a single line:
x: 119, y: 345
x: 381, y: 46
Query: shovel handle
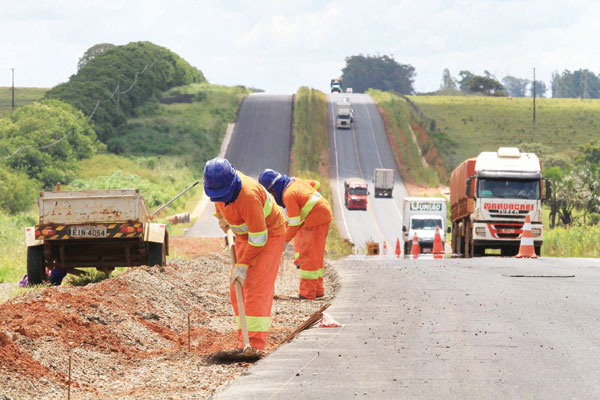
x: 238, y: 294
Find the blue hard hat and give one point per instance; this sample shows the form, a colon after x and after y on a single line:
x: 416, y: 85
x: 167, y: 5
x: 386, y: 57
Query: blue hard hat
x: 268, y: 177
x: 219, y: 177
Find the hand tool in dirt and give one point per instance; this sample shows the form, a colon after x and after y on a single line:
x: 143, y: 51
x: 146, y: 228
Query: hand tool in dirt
x: 159, y: 209
x: 247, y: 354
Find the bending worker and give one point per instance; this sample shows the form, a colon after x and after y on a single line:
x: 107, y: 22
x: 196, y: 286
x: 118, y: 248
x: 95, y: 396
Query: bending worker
x: 305, y: 208
x: 259, y: 226
x: 298, y: 237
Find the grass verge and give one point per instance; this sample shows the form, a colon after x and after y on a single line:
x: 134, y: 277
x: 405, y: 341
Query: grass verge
x: 311, y: 133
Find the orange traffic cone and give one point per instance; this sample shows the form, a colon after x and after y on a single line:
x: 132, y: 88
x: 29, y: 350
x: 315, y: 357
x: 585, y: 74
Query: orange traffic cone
x: 438, y: 246
x: 384, y: 248
x: 415, y: 250
x: 397, y: 248
x: 527, y: 249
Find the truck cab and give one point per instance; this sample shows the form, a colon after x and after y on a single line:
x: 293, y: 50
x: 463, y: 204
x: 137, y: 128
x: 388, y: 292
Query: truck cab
x: 356, y: 193
x: 424, y: 227
x: 343, y: 118
x: 336, y: 85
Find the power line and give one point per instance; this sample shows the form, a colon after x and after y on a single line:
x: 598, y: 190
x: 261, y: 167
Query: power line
x: 98, y: 103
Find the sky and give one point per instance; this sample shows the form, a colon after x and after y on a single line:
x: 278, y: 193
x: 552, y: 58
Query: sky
x: 281, y: 45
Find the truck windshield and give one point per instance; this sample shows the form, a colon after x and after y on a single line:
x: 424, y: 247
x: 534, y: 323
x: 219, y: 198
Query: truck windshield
x: 358, y: 191
x: 343, y: 116
x: 509, y: 189
x: 425, y: 224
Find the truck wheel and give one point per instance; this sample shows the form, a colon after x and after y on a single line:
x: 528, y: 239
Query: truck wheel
x: 36, y: 273
x: 478, y: 251
x: 156, y: 254
x: 538, y: 251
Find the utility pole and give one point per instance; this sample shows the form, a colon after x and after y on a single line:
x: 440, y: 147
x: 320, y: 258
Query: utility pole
x: 534, y: 85
x: 13, y: 89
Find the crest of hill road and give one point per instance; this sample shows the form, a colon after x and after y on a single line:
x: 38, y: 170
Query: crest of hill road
x: 140, y: 116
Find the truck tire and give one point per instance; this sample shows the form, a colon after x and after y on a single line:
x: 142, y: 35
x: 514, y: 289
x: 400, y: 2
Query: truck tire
x: 156, y: 254
x: 36, y: 273
x: 538, y: 251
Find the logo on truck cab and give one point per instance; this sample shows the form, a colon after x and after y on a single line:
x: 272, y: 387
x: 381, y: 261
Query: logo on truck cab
x: 507, y: 207
x: 418, y: 206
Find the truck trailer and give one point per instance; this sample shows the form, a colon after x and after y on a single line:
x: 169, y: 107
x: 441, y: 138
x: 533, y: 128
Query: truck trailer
x: 103, y: 229
x: 420, y: 217
x: 383, y: 181
x: 490, y: 197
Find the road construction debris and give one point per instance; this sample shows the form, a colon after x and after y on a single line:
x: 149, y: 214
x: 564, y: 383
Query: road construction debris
x: 129, y: 334
x: 311, y: 321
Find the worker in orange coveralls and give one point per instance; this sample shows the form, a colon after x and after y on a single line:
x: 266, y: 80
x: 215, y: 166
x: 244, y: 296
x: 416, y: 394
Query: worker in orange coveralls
x: 259, y: 226
x: 298, y: 237
x: 305, y: 208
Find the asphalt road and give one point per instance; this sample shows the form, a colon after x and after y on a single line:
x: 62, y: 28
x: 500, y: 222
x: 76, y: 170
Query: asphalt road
x: 356, y: 152
x: 261, y: 139
x: 488, y: 328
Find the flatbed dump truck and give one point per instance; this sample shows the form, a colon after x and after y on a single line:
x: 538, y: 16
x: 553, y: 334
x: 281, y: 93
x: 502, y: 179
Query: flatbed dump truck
x: 490, y: 197
x: 103, y: 229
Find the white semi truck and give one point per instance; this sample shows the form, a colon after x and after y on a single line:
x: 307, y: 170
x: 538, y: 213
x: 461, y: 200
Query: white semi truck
x: 344, y: 114
x: 420, y: 217
x: 490, y: 197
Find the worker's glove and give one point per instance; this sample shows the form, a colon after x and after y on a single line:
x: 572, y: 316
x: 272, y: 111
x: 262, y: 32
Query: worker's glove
x: 222, y: 222
x: 239, y: 274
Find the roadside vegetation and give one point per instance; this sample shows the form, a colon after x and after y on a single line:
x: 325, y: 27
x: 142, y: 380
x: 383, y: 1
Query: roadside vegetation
x: 310, y: 155
x: 159, y: 138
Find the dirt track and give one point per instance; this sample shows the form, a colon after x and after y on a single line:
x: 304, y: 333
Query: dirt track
x: 128, y: 335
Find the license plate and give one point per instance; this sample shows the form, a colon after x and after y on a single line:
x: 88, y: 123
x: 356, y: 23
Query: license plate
x: 88, y: 231
x: 507, y: 231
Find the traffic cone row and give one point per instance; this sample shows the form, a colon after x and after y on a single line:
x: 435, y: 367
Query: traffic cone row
x: 398, y: 251
x: 527, y: 249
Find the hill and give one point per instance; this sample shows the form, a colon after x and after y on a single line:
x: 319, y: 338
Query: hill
x: 476, y: 124
x: 23, y: 96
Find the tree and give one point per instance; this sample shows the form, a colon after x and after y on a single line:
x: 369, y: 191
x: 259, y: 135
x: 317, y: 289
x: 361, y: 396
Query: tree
x: 465, y: 78
x: 448, y: 82
x: 540, y: 89
x: 581, y: 83
x: 93, y: 52
x: 515, y: 87
x: 378, y: 72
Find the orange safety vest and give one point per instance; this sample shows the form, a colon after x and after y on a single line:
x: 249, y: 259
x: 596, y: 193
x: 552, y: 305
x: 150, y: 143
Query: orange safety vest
x: 253, y: 216
x: 304, y: 205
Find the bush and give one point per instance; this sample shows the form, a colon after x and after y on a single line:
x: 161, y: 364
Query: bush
x: 47, y: 138
x: 17, y: 192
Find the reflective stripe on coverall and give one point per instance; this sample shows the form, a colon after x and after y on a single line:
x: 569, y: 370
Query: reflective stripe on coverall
x: 258, y: 223
x: 302, y: 200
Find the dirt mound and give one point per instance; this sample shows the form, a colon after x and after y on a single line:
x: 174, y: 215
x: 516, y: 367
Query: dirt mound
x: 128, y: 336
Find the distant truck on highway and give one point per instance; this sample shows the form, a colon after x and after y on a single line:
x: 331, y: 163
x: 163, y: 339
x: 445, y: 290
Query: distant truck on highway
x: 103, y: 229
x: 344, y: 116
x: 356, y: 192
x: 421, y: 215
x: 336, y: 85
x: 383, y: 182
x: 490, y: 196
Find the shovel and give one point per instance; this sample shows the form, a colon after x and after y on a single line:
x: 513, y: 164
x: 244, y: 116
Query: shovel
x: 247, y: 354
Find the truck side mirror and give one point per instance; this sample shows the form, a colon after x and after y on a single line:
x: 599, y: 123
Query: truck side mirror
x: 547, y: 189
x: 468, y: 189
x: 403, y: 229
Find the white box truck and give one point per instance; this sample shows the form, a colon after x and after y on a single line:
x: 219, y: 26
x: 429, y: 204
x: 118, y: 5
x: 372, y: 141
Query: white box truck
x: 420, y: 216
x: 384, y: 182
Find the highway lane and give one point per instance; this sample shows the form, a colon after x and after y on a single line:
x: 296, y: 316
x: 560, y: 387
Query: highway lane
x: 261, y: 139
x: 356, y: 153
x: 481, y: 328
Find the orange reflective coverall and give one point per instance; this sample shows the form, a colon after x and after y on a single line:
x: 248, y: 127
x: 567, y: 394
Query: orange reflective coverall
x: 306, y: 208
x: 298, y: 237
x: 259, y: 225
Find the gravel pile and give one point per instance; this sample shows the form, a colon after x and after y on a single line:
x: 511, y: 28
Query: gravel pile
x: 127, y: 336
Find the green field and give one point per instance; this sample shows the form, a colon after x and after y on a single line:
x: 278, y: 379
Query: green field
x: 23, y: 96
x: 477, y: 124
